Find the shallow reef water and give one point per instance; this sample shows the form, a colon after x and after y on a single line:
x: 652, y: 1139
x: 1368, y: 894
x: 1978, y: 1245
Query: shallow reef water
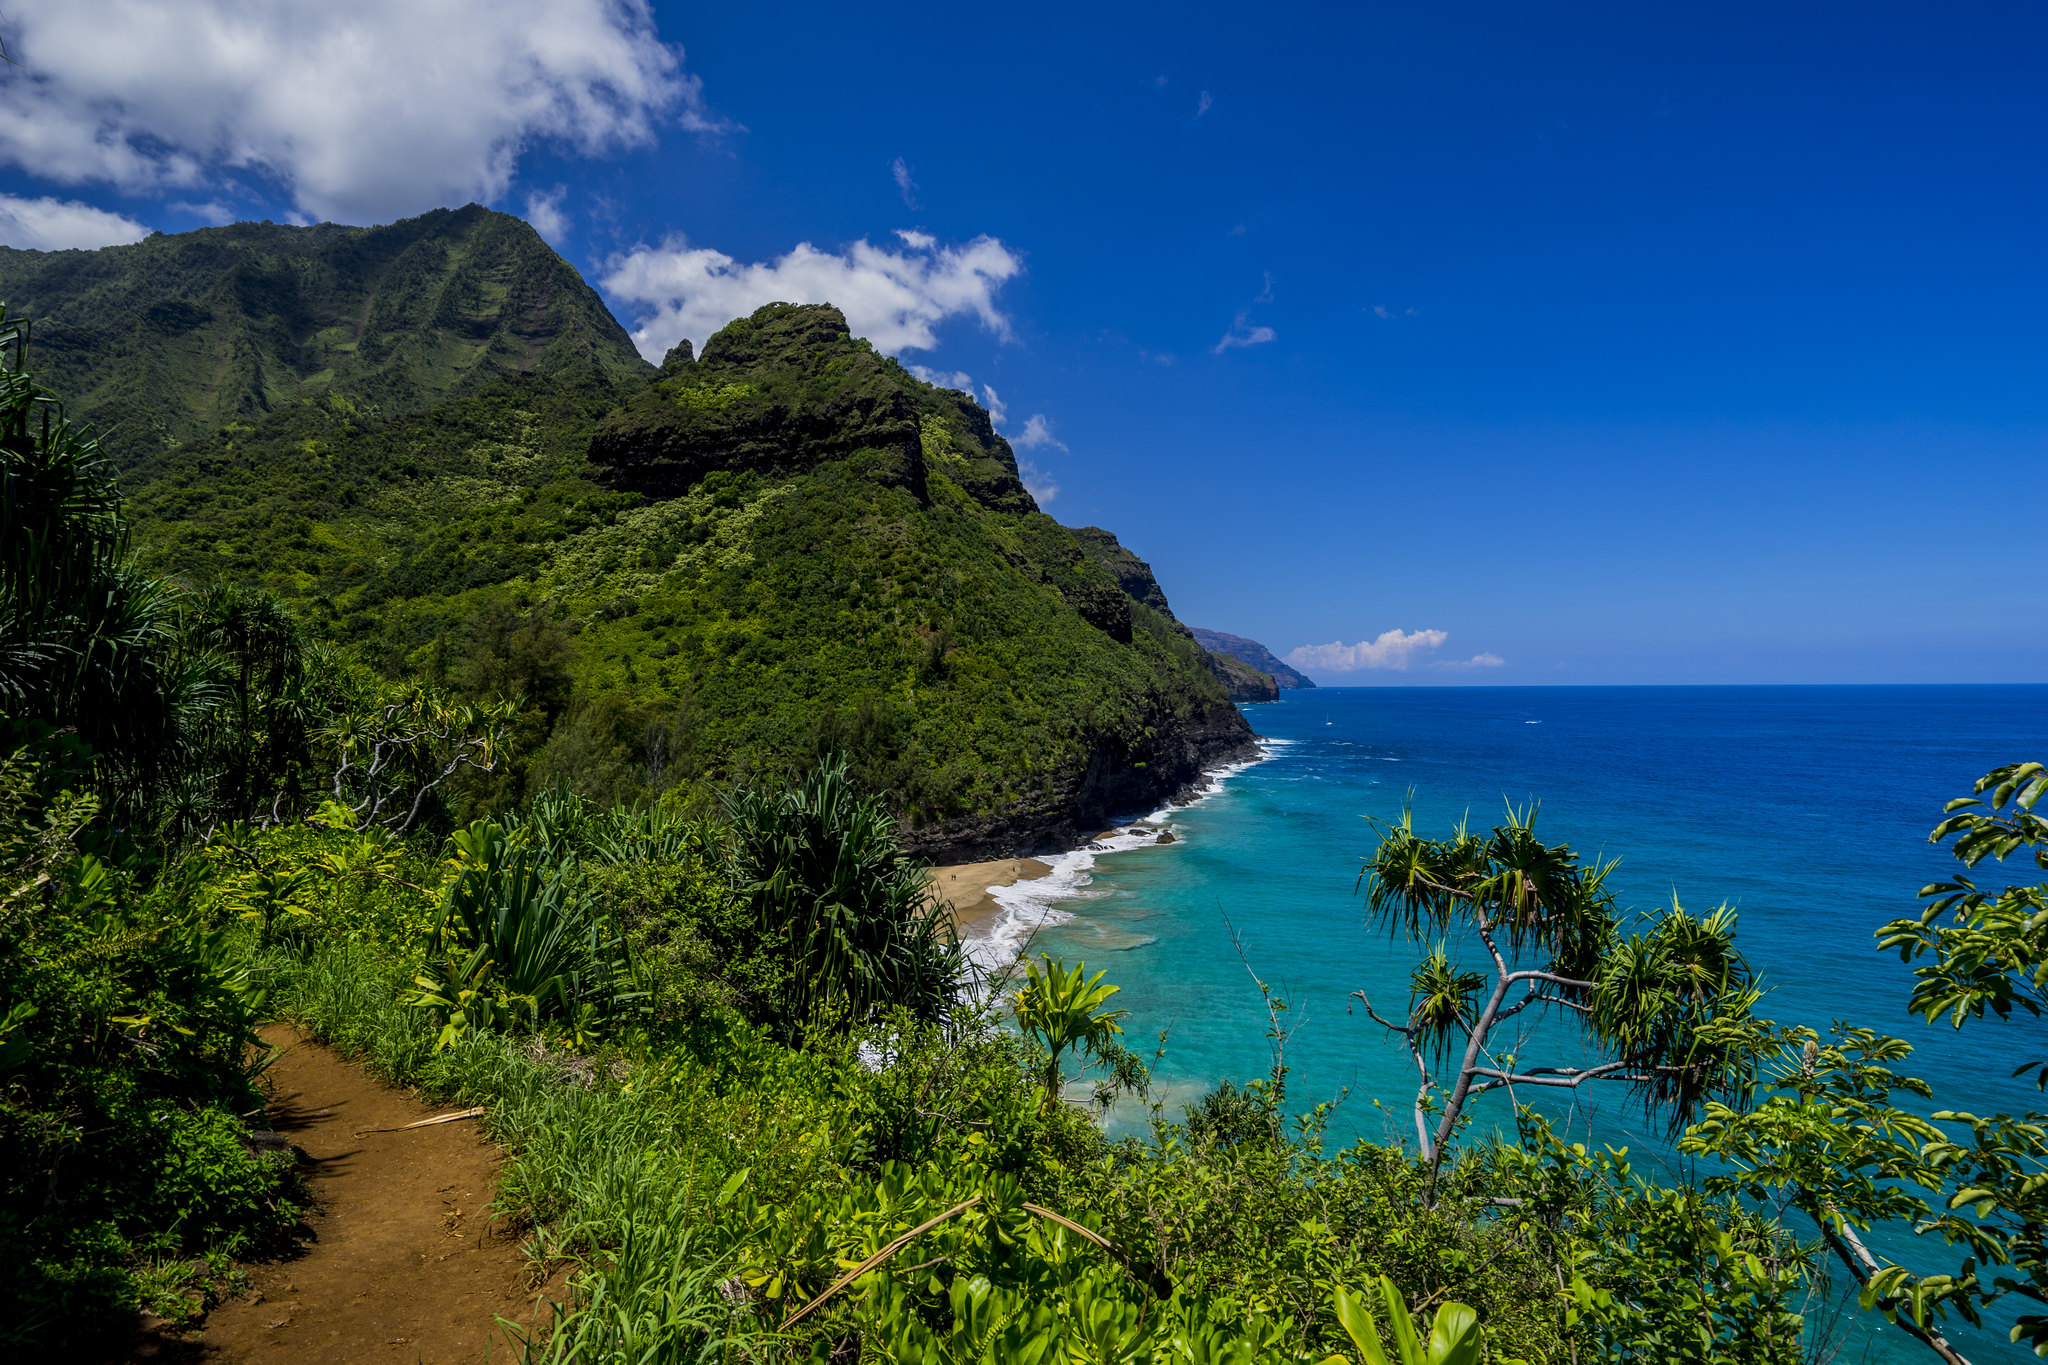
x: 1807, y: 808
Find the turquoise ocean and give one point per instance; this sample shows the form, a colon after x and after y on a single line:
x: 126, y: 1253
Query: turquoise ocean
x: 1807, y: 808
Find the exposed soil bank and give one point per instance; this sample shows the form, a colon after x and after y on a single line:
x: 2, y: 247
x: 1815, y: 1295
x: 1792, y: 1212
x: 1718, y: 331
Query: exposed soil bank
x: 404, y: 1264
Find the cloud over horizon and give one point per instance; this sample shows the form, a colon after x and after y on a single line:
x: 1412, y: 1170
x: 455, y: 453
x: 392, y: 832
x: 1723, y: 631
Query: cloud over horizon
x: 361, y: 113
x: 1394, y: 649
x: 895, y: 299
x: 49, y: 224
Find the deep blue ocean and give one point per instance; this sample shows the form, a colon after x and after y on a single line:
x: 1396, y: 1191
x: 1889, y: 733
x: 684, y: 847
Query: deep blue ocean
x: 1807, y: 808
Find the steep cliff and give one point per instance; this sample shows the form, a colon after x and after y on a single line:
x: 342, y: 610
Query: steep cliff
x: 1241, y: 680
x: 721, y: 569
x: 1252, y: 653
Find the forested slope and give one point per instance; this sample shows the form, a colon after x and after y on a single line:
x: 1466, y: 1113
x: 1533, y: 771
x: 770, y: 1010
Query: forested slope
x: 174, y: 337
x: 788, y: 548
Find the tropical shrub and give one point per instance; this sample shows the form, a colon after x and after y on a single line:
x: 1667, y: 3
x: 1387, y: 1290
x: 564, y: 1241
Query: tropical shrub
x: 125, y: 1029
x: 848, y: 921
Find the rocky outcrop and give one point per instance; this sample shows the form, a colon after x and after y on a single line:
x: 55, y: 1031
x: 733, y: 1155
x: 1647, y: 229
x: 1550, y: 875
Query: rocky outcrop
x: 1132, y: 574
x: 1111, y: 787
x: 787, y: 390
x: 1241, y: 680
x: 1249, y: 652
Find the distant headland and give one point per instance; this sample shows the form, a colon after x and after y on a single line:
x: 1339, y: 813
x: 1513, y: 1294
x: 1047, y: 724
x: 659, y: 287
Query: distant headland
x: 1254, y: 658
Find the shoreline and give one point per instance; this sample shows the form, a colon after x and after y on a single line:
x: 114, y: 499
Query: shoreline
x: 999, y: 905
x: 967, y: 888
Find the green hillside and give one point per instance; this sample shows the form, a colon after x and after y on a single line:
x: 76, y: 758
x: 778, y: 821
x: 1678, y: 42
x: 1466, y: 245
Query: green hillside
x: 788, y: 548
x: 175, y: 337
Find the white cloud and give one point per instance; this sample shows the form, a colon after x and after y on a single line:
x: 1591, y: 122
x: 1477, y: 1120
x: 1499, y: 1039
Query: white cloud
x: 1203, y: 105
x: 1393, y: 649
x: 1038, y: 482
x: 212, y: 211
x: 544, y: 211
x: 1487, y: 660
x: 945, y: 379
x: 1037, y: 435
x: 1243, y: 333
x: 48, y: 224
x: 905, y: 186
x: 998, y: 411
x: 895, y: 299
x: 362, y: 112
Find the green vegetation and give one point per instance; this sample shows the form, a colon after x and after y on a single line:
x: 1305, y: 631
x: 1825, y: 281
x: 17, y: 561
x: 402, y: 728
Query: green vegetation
x: 824, y: 555
x: 563, y: 787
x: 176, y: 337
x: 1672, y: 1004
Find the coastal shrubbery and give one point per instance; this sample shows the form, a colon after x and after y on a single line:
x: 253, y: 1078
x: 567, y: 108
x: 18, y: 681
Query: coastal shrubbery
x: 751, y: 1100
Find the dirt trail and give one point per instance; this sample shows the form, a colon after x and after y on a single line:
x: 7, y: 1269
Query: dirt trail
x: 404, y: 1265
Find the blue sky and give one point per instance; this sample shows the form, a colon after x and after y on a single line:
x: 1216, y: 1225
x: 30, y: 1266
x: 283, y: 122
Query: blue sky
x: 1613, y: 343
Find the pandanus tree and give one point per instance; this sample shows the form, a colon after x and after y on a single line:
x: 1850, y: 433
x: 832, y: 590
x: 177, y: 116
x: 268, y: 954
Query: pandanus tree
x: 86, y: 640
x: 817, y: 866
x: 193, y: 706
x: 1666, y: 1009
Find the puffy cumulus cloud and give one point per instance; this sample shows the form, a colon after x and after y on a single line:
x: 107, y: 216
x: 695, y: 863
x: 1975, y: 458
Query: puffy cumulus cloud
x: 362, y: 112
x: 895, y: 299
x: 1393, y: 649
x: 48, y: 224
x: 1486, y: 660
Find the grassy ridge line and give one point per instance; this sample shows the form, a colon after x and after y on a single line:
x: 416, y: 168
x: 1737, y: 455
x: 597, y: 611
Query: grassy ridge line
x: 168, y: 340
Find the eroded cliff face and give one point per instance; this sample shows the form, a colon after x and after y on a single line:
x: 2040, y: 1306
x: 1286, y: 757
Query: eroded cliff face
x: 1069, y: 811
x: 1250, y: 652
x: 789, y: 394
x: 788, y: 390
x: 1242, y: 681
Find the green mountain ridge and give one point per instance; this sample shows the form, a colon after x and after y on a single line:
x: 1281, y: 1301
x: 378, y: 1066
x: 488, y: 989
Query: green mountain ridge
x: 171, y: 338
x: 718, y: 570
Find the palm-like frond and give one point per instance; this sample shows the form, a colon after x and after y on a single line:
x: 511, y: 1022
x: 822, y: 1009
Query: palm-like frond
x: 819, y: 865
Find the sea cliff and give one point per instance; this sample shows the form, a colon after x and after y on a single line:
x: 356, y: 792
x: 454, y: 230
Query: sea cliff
x: 717, y: 570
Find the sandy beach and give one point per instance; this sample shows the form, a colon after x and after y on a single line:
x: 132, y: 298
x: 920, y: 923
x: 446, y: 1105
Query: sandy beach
x: 967, y: 886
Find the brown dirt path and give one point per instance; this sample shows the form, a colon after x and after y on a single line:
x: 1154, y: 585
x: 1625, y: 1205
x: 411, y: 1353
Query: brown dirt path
x: 404, y: 1265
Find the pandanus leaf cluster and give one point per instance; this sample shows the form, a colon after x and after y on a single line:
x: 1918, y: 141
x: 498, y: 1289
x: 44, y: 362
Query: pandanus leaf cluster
x: 818, y: 870
x: 1669, y: 1003
x: 517, y: 942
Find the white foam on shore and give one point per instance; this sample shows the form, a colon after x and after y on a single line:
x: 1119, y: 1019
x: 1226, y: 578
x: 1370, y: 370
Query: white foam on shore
x: 1026, y: 907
